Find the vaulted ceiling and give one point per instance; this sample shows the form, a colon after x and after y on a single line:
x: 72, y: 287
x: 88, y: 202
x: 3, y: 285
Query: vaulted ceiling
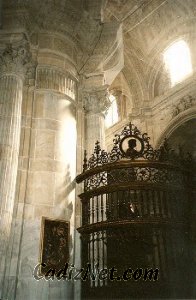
x: 149, y: 26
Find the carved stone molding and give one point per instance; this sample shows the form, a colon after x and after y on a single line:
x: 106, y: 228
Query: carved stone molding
x: 96, y: 100
x: 184, y: 104
x: 52, y: 79
x: 15, y: 59
x: 31, y: 71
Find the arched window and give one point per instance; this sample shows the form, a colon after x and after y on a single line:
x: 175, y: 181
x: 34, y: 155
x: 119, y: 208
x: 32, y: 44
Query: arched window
x: 112, y: 114
x: 177, y: 59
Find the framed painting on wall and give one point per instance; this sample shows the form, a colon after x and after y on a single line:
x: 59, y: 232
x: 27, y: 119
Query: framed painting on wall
x: 54, y: 245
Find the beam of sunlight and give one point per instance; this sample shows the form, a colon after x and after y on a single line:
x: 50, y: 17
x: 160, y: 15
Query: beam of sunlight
x: 67, y: 138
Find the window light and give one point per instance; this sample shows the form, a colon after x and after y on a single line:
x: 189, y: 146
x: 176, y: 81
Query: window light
x: 112, y: 114
x: 178, y: 61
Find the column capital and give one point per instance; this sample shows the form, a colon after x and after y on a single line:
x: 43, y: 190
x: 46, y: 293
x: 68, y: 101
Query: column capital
x: 15, y: 59
x: 96, y: 100
x: 116, y: 92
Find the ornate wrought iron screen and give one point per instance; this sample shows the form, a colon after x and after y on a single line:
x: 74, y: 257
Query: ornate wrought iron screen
x: 135, y: 210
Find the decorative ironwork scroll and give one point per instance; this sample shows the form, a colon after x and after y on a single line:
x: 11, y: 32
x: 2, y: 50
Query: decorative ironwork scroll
x: 54, y: 244
x: 132, y: 144
x: 135, y: 214
x: 131, y: 174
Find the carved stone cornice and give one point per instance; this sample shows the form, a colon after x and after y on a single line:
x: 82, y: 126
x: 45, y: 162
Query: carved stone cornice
x: 184, y: 104
x: 96, y: 100
x: 15, y: 59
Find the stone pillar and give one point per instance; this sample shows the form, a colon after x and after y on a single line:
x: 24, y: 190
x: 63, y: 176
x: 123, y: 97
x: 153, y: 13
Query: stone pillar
x: 96, y: 102
x: 13, y: 61
x: 46, y: 185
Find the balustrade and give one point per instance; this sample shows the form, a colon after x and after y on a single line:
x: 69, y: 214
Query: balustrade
x: 135, y: 214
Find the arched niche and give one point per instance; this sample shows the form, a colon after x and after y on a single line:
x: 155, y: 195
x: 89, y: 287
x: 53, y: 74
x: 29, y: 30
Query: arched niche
x: 185, y: 136
x: 175, y: 123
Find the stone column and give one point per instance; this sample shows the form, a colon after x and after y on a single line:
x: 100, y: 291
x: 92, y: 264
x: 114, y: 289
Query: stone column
x: 96, y: 102
x: 13, y: 62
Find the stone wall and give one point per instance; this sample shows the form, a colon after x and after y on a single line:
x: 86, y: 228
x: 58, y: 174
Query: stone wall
x: 57, y: 61
x: 60, y: 96
x: 45, y: 185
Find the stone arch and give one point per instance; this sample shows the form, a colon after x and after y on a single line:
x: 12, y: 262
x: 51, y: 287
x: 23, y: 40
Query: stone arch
x: 175, y: 123
x: 161, y: 83
x: 136, y: 82
x: 158, y: 72
x: 181, y: 31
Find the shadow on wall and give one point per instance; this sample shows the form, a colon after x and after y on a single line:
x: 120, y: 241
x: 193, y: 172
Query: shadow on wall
x: 185, y: 137
x: 64, y: 200
x: 65, y: 194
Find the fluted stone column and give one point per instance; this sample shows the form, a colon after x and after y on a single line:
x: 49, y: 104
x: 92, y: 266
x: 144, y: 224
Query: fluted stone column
x: 13, y: 62
x: 96, y: 102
